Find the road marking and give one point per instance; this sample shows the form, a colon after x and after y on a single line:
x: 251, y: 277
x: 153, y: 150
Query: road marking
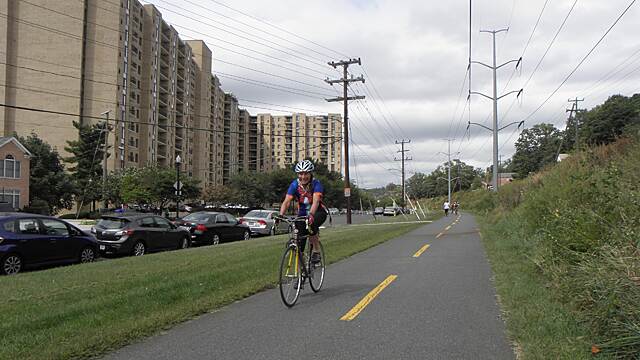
x: 422, y: 249
x: 437, y: 236
x: 367, y: 299
x: 447, y: 228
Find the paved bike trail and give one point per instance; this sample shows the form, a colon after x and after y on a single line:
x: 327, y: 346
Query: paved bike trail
x: 442, y: 305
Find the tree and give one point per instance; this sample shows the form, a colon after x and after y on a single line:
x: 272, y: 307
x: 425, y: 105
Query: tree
x: 605, y: 123
x: 219, y: 194
x: 535, y: 148
x: 48, y: 181
x: 86, y: 155
x: 153, y: 185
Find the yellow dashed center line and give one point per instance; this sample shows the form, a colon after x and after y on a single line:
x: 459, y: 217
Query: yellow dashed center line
x: 422, y: 249
x: 447, y: 228
x: 367, y: 299
x: 437, y: 236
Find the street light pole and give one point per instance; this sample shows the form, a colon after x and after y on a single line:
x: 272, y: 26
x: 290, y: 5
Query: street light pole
x: 104, y: 157
x: 178, y: 186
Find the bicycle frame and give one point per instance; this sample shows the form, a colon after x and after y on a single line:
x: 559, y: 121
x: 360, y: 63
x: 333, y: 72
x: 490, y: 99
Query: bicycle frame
x: 294, y: 239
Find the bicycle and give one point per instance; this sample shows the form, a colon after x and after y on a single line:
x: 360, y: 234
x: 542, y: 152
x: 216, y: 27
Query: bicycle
x: 296, y: 266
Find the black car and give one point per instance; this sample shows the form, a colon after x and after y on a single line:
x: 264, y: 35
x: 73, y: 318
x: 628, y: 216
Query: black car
x: 210, y: 227
x: 28, y: 239
x: 138, y: 234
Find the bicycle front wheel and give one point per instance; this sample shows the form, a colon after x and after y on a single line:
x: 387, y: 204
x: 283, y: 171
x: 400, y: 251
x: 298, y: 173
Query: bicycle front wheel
x: 290, y: 276
x: 316, y: 271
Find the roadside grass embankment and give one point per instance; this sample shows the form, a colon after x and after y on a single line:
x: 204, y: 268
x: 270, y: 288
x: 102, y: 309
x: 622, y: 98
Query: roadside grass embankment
x: 564, y: 246
x: 82, y: 311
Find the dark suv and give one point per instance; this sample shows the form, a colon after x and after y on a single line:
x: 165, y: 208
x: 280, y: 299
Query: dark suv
x: 30, y: 239
x: 137, y: 234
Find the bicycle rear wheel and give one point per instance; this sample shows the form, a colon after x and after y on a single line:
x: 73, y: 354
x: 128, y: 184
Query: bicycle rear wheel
x: 290, y: 276
x: 316, y: 271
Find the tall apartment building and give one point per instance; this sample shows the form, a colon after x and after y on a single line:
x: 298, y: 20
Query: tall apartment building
x: 243, y: 140
x: 254, y: 150
x: 119, y: 60
x: 290, y: 138
x: 230, y: 148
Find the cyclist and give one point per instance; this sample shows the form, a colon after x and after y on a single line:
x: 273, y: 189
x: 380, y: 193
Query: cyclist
x: 308, y: 192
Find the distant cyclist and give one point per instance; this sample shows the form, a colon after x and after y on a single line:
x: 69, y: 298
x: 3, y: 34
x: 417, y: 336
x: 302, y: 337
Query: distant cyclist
x: 308, y: 192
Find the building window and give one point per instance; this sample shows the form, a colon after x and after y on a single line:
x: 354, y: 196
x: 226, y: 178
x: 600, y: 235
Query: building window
x: 11, y: 196
x: 10, y: 168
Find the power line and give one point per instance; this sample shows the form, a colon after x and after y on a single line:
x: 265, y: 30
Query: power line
x: 581, y: 61
x: 147, y: 123
x: 279, y: 28
x: 240, y: 36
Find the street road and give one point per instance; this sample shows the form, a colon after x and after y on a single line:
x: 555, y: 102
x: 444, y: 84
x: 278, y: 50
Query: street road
x: 438, y: 303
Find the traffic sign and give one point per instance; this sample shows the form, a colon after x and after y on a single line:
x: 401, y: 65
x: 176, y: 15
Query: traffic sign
x: 177, y: 185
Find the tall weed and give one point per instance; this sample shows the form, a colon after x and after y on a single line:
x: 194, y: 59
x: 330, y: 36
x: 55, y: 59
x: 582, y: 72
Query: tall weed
x: 580, y: 222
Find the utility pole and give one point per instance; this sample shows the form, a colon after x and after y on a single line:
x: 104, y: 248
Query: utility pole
x: 345, y: 82
x: 403, y: 159
x: 573, y: 112
x: 104, y: 157
x: 448, y: 153
x: 495, y: 99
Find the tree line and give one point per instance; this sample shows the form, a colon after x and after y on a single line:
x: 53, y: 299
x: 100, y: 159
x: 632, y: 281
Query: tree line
x: 539, y: 146
x: 58, y: 183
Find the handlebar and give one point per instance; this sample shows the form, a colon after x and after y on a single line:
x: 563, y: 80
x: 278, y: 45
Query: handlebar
x: 292, y: 219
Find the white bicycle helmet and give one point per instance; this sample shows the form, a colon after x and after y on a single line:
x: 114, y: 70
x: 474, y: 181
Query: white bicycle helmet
x: 304, y: 166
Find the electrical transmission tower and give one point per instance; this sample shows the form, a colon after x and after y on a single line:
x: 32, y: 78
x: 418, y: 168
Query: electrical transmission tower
x: 573, y: 112
x: 495, y: 99
x: 448, y: 153
x: 345, y: 82
x: 403, y: 159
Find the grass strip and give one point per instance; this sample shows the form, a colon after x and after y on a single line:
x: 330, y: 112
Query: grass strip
x: 86, y: 310
x: 539, y: 324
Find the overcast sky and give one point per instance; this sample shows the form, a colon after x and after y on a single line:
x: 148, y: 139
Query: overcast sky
x: 414, y: 57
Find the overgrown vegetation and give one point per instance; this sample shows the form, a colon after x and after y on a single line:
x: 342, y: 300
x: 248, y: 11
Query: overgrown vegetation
x: 574, y: 232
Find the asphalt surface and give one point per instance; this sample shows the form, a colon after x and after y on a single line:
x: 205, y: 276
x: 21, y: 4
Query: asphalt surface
x: 442, y: 305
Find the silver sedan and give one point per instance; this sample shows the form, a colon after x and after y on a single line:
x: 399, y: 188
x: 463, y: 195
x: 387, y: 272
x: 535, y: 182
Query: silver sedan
x: 262, y: 222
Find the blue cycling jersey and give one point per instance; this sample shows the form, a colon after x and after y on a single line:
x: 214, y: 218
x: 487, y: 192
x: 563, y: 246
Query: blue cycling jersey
x: 304, y: 197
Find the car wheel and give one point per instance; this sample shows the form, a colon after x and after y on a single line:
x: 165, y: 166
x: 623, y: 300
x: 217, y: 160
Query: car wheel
x: 215, y: 240
x: 247, y: 235
x: 11, y: 264
x: 139, y: 249
x: 184, y: 243
x: 87, y: 255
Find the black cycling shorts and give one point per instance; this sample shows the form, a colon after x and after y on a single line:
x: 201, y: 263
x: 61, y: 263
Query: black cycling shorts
x: 319, y: 219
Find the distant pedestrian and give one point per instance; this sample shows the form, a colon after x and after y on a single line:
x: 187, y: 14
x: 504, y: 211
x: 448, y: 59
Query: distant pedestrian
x: 445, y: 206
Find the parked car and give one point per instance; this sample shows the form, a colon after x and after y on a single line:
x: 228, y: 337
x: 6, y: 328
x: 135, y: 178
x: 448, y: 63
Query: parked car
x: 262, y: 222
x: 28, y: 239
x: 390, y: 211
x: 213, y: 227
x: 334, y: 211
x: 378, y: 211
x: 138, y: 234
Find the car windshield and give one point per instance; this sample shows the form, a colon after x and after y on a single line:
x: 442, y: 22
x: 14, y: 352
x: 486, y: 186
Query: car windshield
x: 257, y: 214
x: 112, y: 223
x: 197, y: 217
